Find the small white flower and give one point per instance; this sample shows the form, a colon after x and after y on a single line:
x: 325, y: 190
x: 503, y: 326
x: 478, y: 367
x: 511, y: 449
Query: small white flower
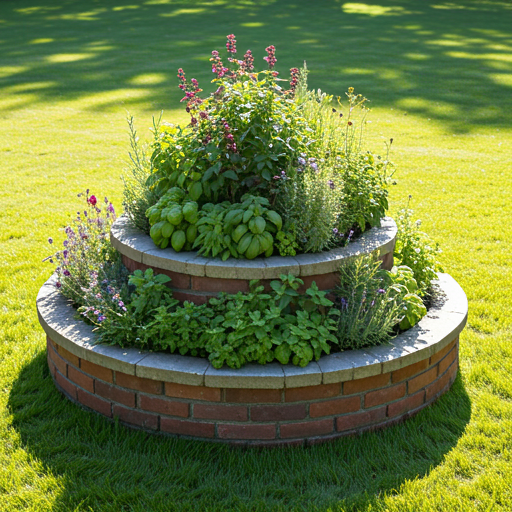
x: 417, y: 250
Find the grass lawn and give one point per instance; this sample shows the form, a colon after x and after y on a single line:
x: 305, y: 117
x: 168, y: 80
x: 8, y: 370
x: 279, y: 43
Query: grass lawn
x: 439, y: 74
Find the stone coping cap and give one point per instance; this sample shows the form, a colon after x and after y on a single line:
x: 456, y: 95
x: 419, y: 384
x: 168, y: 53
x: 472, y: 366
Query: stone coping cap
x: 139, y: 247
x: 444, y: 321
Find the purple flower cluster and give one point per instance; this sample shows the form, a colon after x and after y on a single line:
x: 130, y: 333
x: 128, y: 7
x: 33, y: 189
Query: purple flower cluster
x: 271, y: 57
x: 294, y: 80
x: 231, y: 44
x: 248, y: 62
x: 217, y: 66
x: 191, y: 90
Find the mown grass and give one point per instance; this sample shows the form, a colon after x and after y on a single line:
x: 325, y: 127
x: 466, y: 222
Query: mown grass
x: 439, y: 75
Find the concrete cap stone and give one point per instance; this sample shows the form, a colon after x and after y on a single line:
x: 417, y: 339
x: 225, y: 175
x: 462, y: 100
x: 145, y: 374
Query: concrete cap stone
x: 250, y: 376
x: 299, y: 377
x: 173, y: 368
x: 139, y: 247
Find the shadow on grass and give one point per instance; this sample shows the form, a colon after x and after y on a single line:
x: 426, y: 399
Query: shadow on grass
x: 448, y: 61
x: 103, y: 466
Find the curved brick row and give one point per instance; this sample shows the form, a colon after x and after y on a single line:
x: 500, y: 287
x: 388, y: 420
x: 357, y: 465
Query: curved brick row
x: 197, y: 279
x: 341, y: 394
x: 255, y: 416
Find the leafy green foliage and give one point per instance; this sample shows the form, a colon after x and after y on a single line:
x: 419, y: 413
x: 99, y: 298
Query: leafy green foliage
x: 417, y: 250
x: 373, y: 302
x: 241, y: 230
x: 240, y: 137
x: 233, y: 329
x: 289, y: 146
x: 173, y: 220
x: 128, y: 325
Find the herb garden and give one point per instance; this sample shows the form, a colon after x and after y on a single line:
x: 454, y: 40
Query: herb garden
x: 221, y: 219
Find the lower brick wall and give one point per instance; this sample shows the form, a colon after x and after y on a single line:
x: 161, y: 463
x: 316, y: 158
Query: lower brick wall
x: 260, y: 417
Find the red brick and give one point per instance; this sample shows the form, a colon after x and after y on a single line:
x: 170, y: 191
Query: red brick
x: 124, y: 380
x: 213, y: 284
x: 307, y: 428
x: 221, y: 412
x: 96, y: 370
x: 381, y: 396
x: 94, y: 402
x: 323, y: 281
x: 68, y: 356
x: 357, y: 386
x: 447, y: 361
x: 362, y: 419
x: 437, y: 386
x: 253, y: 395
x: 187, y: 428
x: 79, y: 378
x: 178, y: 280
x: 278, y: 412
x: 197, y: 298
x: 312, y: 392
x: 409, y: 371
x: 332, y: 407
x: 422, y: 380
x: 192, y: 392
x: 234, y: 431
x: 439, y: 355
x: 49, y: 341
x: 132, y: 265
x: 387, y: 260
x: 67, y: 386
x: 407, y: 404
x: 59, y: 363
x: 164, y: 406
x: 51, y: 366
x: 134, y: 417
x: 115, y: 394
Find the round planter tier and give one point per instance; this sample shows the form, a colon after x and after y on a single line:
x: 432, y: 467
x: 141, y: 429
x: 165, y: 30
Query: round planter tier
x: 263, y: 405
x: 197, y: 279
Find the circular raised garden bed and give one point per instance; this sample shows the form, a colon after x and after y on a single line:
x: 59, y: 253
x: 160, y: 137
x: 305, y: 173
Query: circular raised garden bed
x: 197, y: 279
x: 343, y: 393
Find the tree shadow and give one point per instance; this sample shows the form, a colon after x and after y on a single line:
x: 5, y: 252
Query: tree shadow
x: 101, y: 465
x: 438, y: 59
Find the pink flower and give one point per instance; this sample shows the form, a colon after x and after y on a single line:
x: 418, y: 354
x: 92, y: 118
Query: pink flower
x: 231, y: 44
x: 92, y: 200
x: 271, y: 59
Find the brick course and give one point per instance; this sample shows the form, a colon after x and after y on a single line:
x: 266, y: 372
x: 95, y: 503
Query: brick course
x: 192, y: 392
x: 416, y: 383
x: 258, y: 417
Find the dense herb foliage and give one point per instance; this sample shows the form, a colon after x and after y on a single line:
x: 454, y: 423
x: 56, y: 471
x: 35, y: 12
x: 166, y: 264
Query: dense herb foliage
x: 89, y: 270
x: 233, y: 329
x: 373, y: 302
x: 291, y: 146
x: 137, y: 196
x: 417, y: 250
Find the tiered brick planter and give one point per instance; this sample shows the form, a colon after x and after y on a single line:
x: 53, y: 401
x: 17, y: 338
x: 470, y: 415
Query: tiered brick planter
x: 343, y: 393
x: 197, y: 279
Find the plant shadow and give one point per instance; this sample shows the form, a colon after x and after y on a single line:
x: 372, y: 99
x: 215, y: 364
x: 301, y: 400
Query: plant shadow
x: 439, y: 60
x: 102, y: 465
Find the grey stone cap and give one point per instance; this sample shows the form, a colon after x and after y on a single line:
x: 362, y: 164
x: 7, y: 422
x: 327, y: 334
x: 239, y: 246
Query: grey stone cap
x: 139, y: 247
x: 444, y: 321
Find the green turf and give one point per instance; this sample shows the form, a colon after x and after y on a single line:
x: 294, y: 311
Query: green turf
x: 439, y: 74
